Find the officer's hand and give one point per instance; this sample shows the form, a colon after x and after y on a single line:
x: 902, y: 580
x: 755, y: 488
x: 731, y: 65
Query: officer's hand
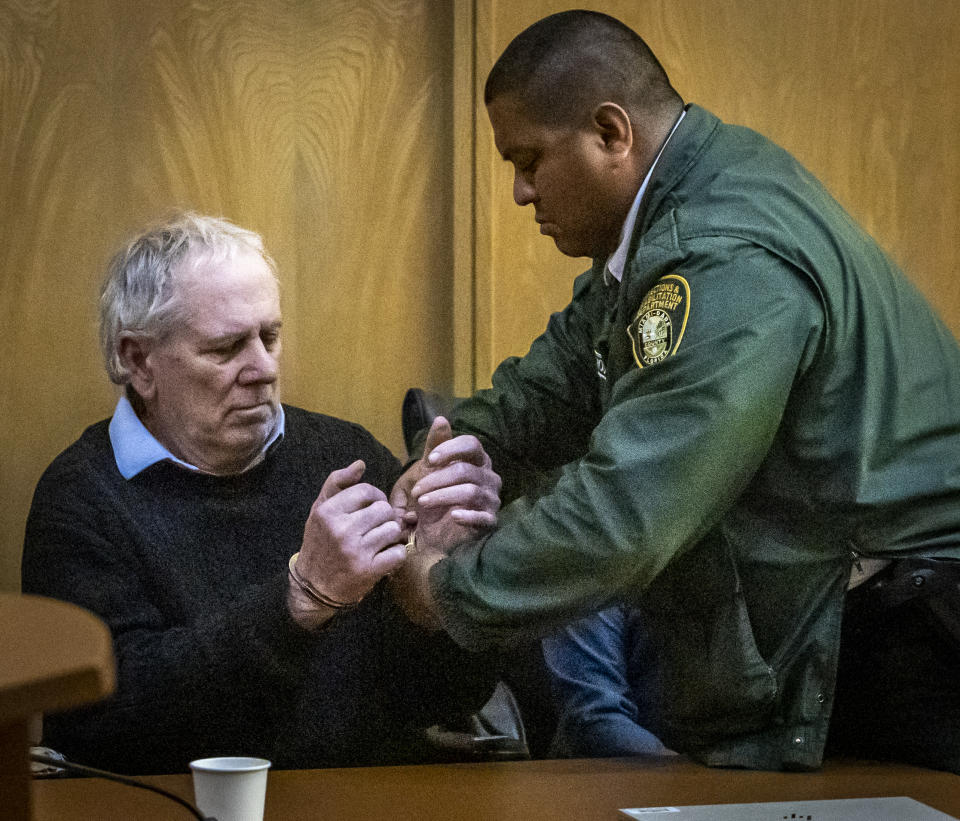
x: 457, y: 494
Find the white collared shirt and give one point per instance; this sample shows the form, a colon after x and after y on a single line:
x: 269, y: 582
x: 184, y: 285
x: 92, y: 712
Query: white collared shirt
x: 135, y: 448
x: 618, y: 259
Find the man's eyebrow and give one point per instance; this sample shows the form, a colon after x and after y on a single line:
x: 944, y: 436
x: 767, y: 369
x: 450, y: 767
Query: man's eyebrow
x: 230, y: 336
x: 517, y: 153
x: 233, y: 336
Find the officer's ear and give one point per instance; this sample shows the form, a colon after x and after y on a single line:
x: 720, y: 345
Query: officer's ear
x: 613, y: 126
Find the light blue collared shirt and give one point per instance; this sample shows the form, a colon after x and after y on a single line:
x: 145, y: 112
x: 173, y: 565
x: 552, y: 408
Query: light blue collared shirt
x: 618, y: 259
x: 135, y: 448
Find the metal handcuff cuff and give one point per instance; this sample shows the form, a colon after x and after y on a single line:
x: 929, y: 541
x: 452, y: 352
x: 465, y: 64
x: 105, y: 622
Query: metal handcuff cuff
x: 318, y: 595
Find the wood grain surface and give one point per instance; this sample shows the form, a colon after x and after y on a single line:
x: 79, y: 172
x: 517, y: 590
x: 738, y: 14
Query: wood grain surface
x: 551, y: 790
x: 323, y: 125
x: 863, y: 92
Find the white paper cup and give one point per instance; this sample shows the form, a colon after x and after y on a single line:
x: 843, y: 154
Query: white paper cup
x: 230, y: 788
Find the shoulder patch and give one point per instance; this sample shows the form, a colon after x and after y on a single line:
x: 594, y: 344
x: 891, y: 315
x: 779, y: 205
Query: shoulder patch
x: 658, y: 326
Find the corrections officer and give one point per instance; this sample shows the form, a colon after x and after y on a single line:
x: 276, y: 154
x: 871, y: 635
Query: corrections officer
x: 754, y: 412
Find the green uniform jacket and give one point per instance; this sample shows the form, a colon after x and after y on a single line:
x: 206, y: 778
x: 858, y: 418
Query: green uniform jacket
x: 765, y: 397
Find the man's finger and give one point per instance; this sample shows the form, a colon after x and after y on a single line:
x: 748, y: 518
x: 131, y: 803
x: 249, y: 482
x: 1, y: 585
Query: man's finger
x: 440, y: 431
x: 388, y: 560
x: 460, y: 496
x: 456, y: 473
x: 478, y: 519
x: 341, y: 479
x: 365, y: 501
x: 459, y: 449
x: 383, y: 536
x: 400, y: 495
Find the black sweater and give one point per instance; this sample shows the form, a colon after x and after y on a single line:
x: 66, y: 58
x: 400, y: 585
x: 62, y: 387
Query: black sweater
x: 189, y: 572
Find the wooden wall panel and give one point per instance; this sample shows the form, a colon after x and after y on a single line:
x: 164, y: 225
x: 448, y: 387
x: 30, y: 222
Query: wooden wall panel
x: 864, y: 92
x: 324, y: 125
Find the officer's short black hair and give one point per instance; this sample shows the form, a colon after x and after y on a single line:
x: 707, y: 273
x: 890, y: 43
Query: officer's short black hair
x: 564, y: 65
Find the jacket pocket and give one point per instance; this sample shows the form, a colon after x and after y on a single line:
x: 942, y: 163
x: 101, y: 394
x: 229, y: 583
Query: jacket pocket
x: 709, y: 679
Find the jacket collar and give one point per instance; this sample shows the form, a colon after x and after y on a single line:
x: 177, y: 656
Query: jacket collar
x: 686, y: 145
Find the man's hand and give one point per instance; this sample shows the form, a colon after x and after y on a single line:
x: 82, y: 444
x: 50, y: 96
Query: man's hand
x: 453, y: 491
x: 353, y: 537
x: 401, y: 495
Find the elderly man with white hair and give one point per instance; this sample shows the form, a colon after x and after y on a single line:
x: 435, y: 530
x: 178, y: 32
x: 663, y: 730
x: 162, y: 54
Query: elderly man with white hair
x: 238, y: 548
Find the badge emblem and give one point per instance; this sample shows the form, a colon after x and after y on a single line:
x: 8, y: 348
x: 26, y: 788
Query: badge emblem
x: 658, y: 326
x: 656, y: 333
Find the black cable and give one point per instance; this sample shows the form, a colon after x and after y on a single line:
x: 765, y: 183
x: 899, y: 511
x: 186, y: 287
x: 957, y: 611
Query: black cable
x: 50, y: 761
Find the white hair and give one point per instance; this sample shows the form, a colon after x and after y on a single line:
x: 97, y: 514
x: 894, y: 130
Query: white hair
x: 139, y: 295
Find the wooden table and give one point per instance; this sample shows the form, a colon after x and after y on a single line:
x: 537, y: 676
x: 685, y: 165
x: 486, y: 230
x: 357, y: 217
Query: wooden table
x: 581, y: 789
x: 53, y: 656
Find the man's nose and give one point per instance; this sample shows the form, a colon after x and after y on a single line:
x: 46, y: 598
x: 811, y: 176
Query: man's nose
x: 262, y: 364
x: 523, y: 191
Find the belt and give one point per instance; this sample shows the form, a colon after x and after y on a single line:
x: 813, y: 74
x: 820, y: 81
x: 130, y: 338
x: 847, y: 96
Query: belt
x: 864, y: 570
x: 907, y: 579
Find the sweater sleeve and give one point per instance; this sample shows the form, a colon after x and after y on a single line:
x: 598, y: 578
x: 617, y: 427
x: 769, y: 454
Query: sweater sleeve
x: 194, y: 663
x: 176, y: 683
x: 433, y: 680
